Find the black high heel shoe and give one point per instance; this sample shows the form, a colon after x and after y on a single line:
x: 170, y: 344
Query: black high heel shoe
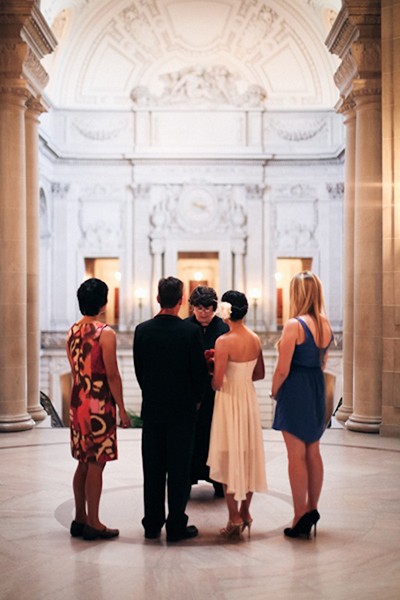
x: 314, y: 518
x: 301, y: 529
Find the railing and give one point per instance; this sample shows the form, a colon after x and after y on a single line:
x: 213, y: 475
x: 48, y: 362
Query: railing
x: 48, y: 406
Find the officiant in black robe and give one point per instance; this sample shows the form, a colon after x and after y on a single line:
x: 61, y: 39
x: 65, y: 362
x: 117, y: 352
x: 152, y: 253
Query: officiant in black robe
x: 204, y: 301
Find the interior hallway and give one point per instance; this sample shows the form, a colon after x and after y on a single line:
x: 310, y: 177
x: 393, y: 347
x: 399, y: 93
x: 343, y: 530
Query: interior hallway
x: 356, y: 554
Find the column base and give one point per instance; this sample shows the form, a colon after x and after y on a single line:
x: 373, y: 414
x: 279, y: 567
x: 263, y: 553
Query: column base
x: 37, y: 413
x: 343, y: 414
x: 363, y: 424
x: 21, y: 423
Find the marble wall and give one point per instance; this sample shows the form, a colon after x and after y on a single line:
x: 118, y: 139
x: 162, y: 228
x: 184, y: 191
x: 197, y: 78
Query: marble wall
x: 230, y: 178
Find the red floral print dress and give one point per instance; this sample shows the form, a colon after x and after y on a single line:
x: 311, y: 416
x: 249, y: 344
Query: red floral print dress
x: 92, y: 410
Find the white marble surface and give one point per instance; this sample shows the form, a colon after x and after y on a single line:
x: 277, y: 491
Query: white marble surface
x: 355, y: 555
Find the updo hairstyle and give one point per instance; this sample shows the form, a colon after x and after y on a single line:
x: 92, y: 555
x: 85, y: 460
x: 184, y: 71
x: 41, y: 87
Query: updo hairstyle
x: 239, y: 304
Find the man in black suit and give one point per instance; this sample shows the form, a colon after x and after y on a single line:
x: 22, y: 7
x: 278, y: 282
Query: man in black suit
x: 171, y: 371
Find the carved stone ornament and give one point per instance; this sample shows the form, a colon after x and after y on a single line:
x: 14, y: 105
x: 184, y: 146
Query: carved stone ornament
x: 298, y: 130
x: 197, y: 208
x: 34, y: 72
x: 89, y: 129
x: 12, y: 56
x: 101, y: 225
x: 335, y: 190
x: 198, y: 85
x: 295, y: 218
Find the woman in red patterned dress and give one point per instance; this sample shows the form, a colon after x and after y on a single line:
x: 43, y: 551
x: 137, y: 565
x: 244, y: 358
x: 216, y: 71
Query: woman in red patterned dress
x: 96, y: 391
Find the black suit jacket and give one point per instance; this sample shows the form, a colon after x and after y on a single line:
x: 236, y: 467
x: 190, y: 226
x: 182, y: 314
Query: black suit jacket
x: 170, y: 368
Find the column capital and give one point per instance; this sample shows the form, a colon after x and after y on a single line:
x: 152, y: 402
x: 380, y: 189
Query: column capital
x: 355, y: 38
x: 25, y: 39
x: 36, y: 105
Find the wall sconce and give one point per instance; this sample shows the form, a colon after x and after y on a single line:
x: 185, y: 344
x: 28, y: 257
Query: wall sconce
x: 198, y: 276
x: 140, y: 294
x: 255, y: 295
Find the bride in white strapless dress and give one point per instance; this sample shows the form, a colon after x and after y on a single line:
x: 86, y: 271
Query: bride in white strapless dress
x: 236, y: 452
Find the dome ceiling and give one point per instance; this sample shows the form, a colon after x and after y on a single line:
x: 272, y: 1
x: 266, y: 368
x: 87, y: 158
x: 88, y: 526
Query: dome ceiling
x: 107, y: 48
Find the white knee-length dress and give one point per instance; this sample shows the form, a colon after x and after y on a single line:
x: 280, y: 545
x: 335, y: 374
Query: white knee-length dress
x: 236, y: 451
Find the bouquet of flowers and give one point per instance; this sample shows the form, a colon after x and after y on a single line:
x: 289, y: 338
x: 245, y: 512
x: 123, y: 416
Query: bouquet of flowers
x: 209, y: 356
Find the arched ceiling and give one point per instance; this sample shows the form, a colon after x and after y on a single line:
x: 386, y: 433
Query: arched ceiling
x: 106, y: 48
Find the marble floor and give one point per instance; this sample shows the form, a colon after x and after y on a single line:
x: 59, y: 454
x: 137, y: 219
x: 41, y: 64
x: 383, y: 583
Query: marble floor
x: 356, y: 554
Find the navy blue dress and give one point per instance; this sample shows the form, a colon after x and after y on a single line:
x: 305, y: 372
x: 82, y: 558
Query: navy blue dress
x: 300, y: 408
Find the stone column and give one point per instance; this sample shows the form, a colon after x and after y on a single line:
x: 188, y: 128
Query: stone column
x: 367, y: 265
x: 13, y: 357
x: 348, y: 271
x: 238, y: 251
x: 24, y: 39
x: 33, y: 263
x: 356, y: 38
x: 157, y: 251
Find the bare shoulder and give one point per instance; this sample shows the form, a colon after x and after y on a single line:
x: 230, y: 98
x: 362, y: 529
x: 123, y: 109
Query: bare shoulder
x: 107, y: 335
x: 291, y: 326
x: 222, y: 340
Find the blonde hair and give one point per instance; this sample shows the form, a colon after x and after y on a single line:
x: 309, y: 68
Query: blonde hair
x: 307, y: 298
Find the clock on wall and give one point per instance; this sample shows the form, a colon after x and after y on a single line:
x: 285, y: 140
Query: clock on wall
x: 197, y: 207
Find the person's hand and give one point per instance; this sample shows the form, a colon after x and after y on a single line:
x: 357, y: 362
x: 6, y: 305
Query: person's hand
x: 209, y: 356
x: 125, y: 420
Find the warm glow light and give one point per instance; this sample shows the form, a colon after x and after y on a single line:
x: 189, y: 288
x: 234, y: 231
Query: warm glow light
x: 140, y: 293
x: 255, y: 293
x: 198, y: 276
x: 278, y: 276
x: 117, y: 275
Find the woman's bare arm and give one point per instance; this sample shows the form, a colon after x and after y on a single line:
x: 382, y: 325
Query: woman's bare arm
x: 259, y: 369
x: 286, y: 349
x: 108, y: 345
x: 221, y: 357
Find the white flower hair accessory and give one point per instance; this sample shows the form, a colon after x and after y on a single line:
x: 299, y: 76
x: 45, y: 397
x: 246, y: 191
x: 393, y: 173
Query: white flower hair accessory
x: 225, y: 310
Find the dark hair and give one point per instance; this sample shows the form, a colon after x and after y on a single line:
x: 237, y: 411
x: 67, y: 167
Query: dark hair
x: 170, y: 291
x: 204, y: 296
x: 239, y: 304
x: 92, y: 296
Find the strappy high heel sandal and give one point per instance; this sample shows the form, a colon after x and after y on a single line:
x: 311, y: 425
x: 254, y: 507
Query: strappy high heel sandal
x: 232, y: 530
x: 247, y: 523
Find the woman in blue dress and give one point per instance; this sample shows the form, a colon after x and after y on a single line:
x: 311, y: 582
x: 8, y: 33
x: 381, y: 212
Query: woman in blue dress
x: 298, y: 386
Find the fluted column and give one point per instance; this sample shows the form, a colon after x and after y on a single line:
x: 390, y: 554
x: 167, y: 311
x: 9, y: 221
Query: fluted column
x: 13, y: 356
x: 367, y: 266
x: 346, y: 408
x: 33, y: 263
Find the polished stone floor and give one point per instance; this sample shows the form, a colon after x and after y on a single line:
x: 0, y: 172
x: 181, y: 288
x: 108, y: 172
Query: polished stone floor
x: 356, y: 554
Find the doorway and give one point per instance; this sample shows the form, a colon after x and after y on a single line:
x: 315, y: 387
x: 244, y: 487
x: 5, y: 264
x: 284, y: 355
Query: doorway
x: 286, y: 268
x: 197, y: 268
x: 108, y: 270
